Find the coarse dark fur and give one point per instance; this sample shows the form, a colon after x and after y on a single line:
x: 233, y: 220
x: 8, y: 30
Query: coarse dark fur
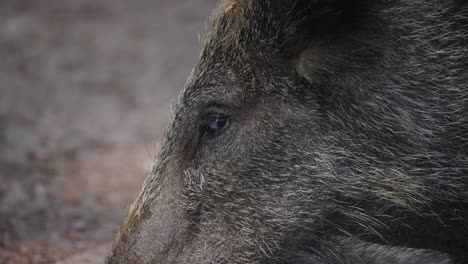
x: 346, y: 140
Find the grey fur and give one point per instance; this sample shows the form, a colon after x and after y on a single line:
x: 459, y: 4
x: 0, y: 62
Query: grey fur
x: 348, y: 140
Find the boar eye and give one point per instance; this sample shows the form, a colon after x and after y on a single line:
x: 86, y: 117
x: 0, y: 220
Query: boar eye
x: 214, y: 121
x: 215, y: 124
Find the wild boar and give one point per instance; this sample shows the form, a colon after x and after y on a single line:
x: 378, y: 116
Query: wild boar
x: 315, y: 131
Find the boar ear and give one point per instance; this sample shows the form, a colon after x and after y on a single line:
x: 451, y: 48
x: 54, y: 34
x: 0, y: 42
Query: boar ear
x: 277, y: 26
x: 327, y: 31
x: 279, y: 29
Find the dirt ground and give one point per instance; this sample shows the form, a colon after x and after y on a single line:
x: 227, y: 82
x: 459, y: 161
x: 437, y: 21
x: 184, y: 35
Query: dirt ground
x: 85, y: 94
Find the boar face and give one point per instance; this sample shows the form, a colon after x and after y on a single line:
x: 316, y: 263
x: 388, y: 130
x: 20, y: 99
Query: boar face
x: 309, y: 129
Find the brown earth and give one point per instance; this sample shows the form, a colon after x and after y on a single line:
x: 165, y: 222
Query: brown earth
x: 85, y: 94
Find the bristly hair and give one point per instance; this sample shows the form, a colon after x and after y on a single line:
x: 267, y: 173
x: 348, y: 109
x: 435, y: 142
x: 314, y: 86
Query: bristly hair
x: 278, y: 30
x: 273, y: 26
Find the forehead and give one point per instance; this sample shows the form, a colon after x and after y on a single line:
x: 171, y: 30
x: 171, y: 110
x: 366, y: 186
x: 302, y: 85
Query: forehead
x: 237, y: 52
x: 223, y: 76
x: 234, y: 80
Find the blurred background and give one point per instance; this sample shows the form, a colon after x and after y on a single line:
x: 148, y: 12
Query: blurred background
x: 85, y: 93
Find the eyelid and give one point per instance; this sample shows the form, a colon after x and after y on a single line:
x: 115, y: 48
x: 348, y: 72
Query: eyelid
x: 213, y: 108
